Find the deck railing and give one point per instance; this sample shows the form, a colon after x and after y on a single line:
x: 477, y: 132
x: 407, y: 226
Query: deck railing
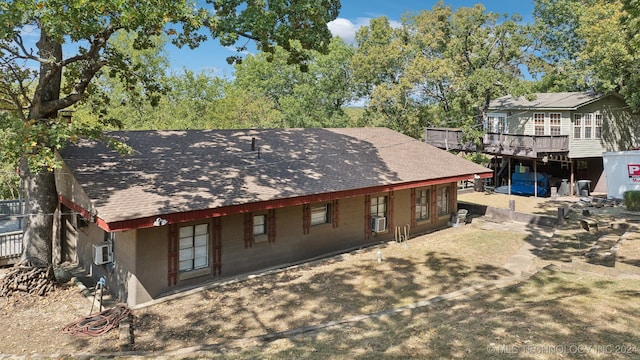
x: 10, y: 231
x: 447, y: 138
x: 10, y: 245
x: 525, y: 145
x: 9, y: 208
x: 493, y: 143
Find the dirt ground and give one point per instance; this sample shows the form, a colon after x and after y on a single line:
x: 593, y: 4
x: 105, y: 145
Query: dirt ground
x: 329, y: 290
x: 526, y: 204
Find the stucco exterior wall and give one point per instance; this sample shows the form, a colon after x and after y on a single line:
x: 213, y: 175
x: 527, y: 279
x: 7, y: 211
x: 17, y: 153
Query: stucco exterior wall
x: 68, y: 187
x: 87, y: 237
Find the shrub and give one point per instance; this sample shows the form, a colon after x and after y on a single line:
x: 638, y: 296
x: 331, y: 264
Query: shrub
x: 632, y: 200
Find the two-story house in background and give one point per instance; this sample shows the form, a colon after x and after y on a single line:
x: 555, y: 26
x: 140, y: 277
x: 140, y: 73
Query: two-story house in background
x: 556, y: 136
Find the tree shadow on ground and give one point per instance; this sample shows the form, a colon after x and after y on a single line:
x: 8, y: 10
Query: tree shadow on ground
x: 299, y: 298
x: 549, y: 312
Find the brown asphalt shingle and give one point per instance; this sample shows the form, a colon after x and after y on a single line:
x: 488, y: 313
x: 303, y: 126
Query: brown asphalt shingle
x: 177, y: 171
x: 546, y: 101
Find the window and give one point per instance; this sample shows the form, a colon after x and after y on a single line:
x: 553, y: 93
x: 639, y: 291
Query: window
x: 598, y: 126
x: 538, y: 121
x: 379, y: 206
x: 555, y: 124
x: 443, y: 201
x: 496, y: 123
x: 193, y: 252
x: 320, y: 214
x: 259, y: 224
x: 422, y: 205
x: 586, y: 121
x: 577, y: 126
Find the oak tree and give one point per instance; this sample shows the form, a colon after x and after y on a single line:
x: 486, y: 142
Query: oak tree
x: 441, y: 65
x: 37, y: 83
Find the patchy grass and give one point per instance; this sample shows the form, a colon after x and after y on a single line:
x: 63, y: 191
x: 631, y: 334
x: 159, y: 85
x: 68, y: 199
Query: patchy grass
x: 333, y: 289
x: 524, y: 204
x: 554, y: 315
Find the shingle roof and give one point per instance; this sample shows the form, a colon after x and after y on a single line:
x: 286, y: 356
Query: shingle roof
x: 178, y: 171
x: 546, y: 101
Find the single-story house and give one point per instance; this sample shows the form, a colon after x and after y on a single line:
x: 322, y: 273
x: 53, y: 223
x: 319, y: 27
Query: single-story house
x: 190, y: 206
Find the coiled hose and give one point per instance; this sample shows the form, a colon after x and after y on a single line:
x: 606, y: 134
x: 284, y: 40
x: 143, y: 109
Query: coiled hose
x: 99, y: 323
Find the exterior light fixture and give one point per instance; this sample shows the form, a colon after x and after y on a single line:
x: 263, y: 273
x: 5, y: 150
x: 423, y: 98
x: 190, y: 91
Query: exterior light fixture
x: 160, y: 222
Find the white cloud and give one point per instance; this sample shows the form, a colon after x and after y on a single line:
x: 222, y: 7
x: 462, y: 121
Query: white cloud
x: 346, y: 29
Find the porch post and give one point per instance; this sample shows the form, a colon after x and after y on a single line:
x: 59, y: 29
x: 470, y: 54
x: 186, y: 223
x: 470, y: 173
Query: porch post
x: 509, y: 179
x: 535, y: 177
x: 495, y: 172
x: 571, y: 190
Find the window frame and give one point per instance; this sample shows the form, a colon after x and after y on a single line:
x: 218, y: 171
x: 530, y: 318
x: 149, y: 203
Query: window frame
x: 446, y: 202
x: 577, y: 126
x: 195, y: 235
x: 263, y: 224
x: 598, y: 121
x: 326, y: 211
x: 587, y: 122
x: 537, y: 126
x: 496, y: 123
x: 555, y: 128
x: 377, y: 205
x: 422, y: 211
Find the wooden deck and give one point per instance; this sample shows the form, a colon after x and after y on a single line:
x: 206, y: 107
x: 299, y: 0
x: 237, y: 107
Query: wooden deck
x: 525, y: 145
x: 531, y: 146
x: 448, y: 139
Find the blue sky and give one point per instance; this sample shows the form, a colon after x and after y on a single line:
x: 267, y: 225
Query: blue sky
x: 353, y: 14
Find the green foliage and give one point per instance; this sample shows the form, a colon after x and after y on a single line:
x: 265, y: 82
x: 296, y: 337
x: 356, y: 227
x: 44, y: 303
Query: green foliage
x: 116, y: 55
x: 632, y: 200
x: 478, y: 158
x: 9, y: 182
x: 589, y: 45
x: 312, y: 98
x: 442, y: 67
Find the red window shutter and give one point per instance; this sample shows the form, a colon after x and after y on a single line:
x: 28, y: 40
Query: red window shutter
x: 172, y: 263
x: 414, y: 222
x: 367, y: 217
x: 434, y: 204
x: 272, y: 225
x: 248, y: 230
x: 335, y: 213
x: 391, y: 212
x: 306, y: 219
x: 454, y: 198
x: 216, y: 246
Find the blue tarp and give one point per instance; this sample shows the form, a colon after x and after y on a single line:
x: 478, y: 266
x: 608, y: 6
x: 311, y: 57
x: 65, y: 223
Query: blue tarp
x: 524, y: 184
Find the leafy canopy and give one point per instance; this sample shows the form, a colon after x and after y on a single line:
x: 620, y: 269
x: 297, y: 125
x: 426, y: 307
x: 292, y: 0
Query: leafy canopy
x: 35, y: 84
x: 441, y: 67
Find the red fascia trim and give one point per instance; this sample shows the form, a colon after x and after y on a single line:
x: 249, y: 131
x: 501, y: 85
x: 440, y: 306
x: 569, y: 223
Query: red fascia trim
x: 75, y: 207
x: 147, y: 222
x: 84, y: 213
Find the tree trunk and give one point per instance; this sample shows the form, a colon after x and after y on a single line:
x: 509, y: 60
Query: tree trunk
x: 41, y: 198
x: 41, y: 201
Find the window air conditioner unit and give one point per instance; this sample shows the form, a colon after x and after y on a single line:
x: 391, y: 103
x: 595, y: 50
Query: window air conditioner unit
x: 378, y: 224
x: 102, y: 253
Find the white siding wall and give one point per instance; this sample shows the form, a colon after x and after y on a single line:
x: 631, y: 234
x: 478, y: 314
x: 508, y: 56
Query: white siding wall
x: 521, y: 122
